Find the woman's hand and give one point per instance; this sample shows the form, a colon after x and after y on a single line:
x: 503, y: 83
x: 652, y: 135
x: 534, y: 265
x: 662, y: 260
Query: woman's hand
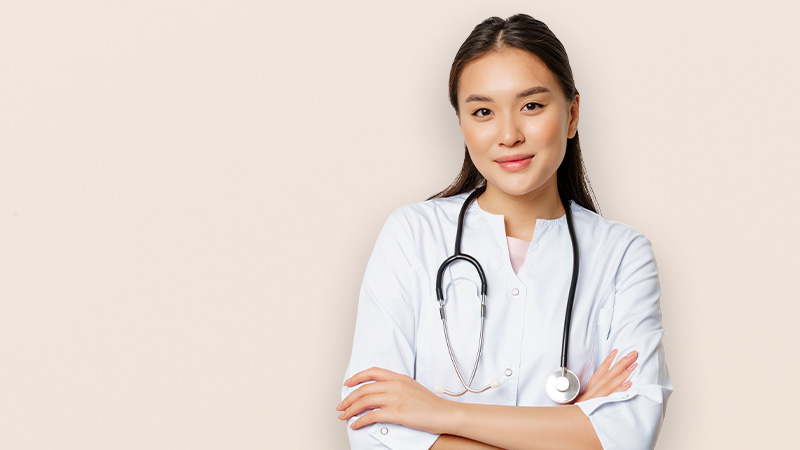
x: 607, y: 380
x: 393, y: 398
x: 399, y: 399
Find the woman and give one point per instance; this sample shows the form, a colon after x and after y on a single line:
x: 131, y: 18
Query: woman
x: 513, y: 92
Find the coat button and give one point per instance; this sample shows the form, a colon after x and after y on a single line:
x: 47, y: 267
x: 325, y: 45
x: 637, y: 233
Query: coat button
x: 515, y: 292
x: 384, y: 431
x: 509, y: 372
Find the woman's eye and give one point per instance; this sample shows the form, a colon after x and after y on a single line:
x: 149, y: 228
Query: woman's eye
x: 531, y: 106
x: 481, y: 112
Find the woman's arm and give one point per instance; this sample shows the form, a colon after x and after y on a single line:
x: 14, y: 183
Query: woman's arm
x: 399, y: 399
x: 523, y: 427
x: 605, y: 381
x: 385, y: 330
x: 450, y: 442
x: 396, y: 398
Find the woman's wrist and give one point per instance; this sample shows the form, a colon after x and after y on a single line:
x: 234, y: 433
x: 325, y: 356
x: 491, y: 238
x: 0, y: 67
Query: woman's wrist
x: 454, y: 414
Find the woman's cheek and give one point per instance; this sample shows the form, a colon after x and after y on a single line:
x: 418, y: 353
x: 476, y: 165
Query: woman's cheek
x: 544, y: 133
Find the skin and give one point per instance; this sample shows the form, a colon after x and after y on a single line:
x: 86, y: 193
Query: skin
x: 500, y: 116
x: 504, y: 125
x: 397, y: 398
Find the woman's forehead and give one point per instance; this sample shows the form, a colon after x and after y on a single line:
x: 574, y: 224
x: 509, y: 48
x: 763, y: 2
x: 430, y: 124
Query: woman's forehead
x: 505, y: 73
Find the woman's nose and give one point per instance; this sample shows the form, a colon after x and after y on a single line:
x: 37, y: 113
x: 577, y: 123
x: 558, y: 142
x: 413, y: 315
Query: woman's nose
x: 510, y: 133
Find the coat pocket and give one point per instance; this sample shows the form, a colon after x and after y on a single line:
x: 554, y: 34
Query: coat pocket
x: 605, y: 315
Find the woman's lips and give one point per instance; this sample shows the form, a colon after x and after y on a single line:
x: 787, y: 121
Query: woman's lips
x: 514, y: 163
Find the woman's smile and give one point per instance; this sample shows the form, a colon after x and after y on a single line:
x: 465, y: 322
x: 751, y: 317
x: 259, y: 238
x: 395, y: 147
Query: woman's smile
x: 514, y: 163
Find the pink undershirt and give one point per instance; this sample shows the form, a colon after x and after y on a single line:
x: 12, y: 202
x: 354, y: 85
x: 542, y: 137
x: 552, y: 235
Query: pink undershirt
x: 517, y: 249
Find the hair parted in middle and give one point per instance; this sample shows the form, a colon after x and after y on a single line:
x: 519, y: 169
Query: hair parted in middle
x: 523, y: 32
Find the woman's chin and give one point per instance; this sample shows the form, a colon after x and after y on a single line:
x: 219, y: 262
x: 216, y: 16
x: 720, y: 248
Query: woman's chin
x: 516, y: 189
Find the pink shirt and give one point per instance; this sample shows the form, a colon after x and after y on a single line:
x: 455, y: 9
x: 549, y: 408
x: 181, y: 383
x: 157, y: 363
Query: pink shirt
x: 517, y: 249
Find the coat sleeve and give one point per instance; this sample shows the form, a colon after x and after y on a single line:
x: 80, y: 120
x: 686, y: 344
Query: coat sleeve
x: 386, y: 330
x: 632, y: 321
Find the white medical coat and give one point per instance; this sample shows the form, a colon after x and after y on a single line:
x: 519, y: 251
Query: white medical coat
x: 616, y: 306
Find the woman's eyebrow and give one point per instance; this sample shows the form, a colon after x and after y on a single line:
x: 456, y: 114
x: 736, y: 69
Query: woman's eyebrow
x: 530, y: 91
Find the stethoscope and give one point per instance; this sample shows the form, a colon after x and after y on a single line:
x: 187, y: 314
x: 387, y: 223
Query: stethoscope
x: 562, y: 386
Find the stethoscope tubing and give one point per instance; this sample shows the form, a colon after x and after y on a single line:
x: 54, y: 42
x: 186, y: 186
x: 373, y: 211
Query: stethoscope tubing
x: 573, y: 284
x: 457, y: 255
x: 559, y: 395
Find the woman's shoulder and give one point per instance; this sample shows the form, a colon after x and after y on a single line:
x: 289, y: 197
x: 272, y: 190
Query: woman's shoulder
x: 602, y: 230
x: 614, y: 248
x: 413, y: 214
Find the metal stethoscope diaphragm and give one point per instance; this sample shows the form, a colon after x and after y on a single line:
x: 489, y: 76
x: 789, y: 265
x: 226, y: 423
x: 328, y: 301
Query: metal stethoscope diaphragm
x: 563, y: 385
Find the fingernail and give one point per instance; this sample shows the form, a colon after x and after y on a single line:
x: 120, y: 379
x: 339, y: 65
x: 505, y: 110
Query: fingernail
x: 626, y: 384
x: 633, y: 367
x: 339, y: 406
x: 630, y: 355
x: 613, y: 353
x: 341, y: 415
x: 346, y: 381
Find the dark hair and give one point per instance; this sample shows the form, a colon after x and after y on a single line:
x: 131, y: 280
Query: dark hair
x: 526, y: 33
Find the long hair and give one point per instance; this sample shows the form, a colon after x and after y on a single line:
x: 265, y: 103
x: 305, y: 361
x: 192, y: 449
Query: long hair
x: 523, y: 32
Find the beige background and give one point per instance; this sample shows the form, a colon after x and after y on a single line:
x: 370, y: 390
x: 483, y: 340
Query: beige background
x: 189, y: 192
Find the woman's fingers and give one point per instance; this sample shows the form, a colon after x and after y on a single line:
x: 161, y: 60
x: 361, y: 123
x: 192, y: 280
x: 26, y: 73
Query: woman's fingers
x: 603, y: 368
x: 607, y: 362
x: 369, y: 395
x: 609, y: 379
x: 372, y: 374
x: 367, y: 389
x: 623, y: 387
x: 615, y: 376
x: 623, y: 363
x: 372, y: 401
x: 369, y: 418
x: 390, y: 397
x: 620, y: 378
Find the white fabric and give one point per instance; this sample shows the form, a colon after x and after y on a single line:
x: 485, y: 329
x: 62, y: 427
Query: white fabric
x: 616, y: 306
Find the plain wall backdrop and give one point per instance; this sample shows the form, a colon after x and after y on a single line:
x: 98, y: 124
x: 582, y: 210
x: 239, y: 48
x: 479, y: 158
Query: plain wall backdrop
x: 189, y: 192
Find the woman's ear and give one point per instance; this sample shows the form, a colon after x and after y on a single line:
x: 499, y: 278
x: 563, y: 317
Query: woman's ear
x: 574, y: 109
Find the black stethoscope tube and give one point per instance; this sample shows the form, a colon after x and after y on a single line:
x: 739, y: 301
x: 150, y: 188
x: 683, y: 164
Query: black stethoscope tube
x: 573, y: 284
x: 564, y: 393
x: 458, y: 255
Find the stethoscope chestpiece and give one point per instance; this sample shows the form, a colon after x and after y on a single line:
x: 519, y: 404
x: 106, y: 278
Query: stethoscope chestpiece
x: 562, y: 386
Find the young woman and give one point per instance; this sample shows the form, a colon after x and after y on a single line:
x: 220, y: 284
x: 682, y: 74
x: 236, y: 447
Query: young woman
x: 521, y: 208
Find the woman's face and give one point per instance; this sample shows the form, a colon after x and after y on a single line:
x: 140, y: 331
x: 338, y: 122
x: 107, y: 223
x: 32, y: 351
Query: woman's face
x: 515, y: 121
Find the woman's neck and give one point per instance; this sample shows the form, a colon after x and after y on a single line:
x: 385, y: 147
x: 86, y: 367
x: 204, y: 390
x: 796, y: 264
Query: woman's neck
x: 520, y: 212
